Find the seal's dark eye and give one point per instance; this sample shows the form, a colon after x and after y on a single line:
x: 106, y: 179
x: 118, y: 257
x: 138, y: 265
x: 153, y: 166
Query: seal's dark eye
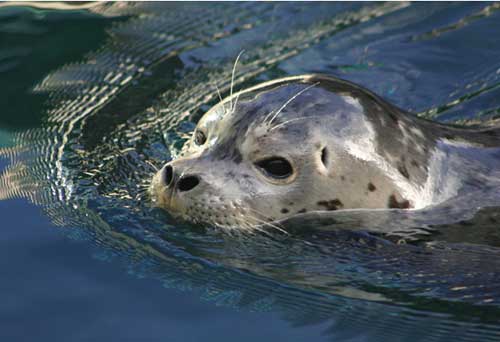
x: 276, y: 167
x: 199, y: 137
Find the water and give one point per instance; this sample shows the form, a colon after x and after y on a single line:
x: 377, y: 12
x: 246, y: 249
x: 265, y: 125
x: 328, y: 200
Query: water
x: 96, y: 98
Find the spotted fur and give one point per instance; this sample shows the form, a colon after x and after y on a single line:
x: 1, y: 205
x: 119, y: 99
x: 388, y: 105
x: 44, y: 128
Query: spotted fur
x: 339, y: 138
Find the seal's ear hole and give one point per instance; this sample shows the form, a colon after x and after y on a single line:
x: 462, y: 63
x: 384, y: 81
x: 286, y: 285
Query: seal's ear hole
x: 324, y: 157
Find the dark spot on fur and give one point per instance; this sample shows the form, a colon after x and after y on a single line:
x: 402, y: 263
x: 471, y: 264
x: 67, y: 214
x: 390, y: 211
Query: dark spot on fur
x: 342, y: 178
x: 414, y: 162
x: 394, y: 204
x: 371, y: 187
x: 393, y: 117
x: 255, y: 154
x: 301, y: 211
x: 237, y: 158
x: 403, y: 170
x: 449, y: 136
x: 284, y: 210
x: 331, y: 205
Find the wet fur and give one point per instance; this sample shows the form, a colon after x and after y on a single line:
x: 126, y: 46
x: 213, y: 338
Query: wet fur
x: 377, y: 156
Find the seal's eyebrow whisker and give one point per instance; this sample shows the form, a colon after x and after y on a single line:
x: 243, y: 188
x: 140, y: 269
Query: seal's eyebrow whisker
x: 232, y: 79
x: 220, y: 97
x: 218, y: 91
x: 287, y: 103
x: 292, y: 120
x: 236, y: 102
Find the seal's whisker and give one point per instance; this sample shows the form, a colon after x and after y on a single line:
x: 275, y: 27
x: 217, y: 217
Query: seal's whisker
x: 287, y: 103
x: 152, y: 165
x: 256, y: 211
x: 243, y: 222
x: 240, y: 226
x: 269, y: 224
x: 232, y: 79
x: 144, y: 192
x: 266, y: 223
x: 260, y: 230
x: 292, y: 120
x: 252, y: 227
x: 144, y: 186
x: 219, y: 95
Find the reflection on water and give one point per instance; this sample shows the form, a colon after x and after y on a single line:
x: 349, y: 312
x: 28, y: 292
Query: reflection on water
x: 120, y: 113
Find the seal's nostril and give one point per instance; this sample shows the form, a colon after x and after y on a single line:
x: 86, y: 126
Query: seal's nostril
x: 188, y: 183
x: 168, y: 175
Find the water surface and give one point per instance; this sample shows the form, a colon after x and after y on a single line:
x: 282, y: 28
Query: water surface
x: 96, y: 99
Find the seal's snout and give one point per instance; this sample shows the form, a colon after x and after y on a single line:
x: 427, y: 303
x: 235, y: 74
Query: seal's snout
x: 181, y: 182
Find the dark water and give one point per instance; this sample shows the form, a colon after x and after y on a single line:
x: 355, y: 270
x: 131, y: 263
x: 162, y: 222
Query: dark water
x: 94, y: 100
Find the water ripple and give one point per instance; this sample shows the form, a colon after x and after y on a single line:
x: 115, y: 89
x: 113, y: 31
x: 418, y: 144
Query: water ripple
x: 115, y: 118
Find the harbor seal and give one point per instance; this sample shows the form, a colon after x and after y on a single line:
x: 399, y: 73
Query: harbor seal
x: 318, y: 143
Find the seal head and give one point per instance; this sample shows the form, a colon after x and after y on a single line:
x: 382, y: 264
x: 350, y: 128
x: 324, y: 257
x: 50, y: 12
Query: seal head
x: 294, y: 145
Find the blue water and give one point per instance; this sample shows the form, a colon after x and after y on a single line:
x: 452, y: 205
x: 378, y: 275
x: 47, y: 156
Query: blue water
x: 94, y: 98
x: 55, y: 289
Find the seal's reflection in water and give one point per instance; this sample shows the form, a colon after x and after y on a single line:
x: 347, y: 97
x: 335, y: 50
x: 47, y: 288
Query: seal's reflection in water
x: 89, y: 168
